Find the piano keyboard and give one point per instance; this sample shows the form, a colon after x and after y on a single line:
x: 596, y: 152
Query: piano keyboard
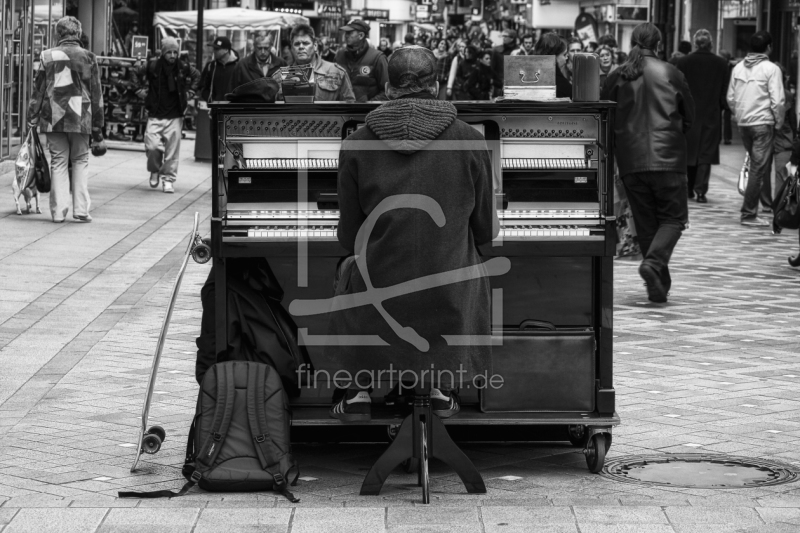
x: 535, y: 164
x: 325, y: 164
x: 315, y: 232
x: 275, y: 214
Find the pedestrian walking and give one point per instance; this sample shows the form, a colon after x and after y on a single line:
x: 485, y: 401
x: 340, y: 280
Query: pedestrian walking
x: 652, y: 166
x: 550, y: 44
x: 707, y: 76
x: 217, y: 75
x: 261, y: 63
x: 464, y: 61
x: 481, y: 81
x: 727, y: 130
x: 443, y: 62
x: 756, y: 96
x: 168, y: 84
x: 527, y: 46
x: 605, y: 60
x: 366, y: 66
x: 791, y: 170
x: 67, y: 104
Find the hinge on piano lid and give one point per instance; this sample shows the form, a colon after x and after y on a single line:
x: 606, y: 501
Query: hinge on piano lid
x: 612, y: 218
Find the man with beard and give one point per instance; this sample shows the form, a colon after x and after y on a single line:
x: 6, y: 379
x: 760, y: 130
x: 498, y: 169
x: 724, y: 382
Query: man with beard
x: 366, y: 67
x: 331, y: 81
x: 262, y: 63
x: 168, y: 83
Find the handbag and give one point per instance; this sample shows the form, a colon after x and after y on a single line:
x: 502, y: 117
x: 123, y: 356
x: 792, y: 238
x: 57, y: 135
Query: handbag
x: 24, y: 164
x: 744, y: 174
x: 41, y: 168
x: 786, y: 207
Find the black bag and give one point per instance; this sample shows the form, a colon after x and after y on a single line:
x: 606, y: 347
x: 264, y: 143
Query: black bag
x: 239, y: 439
x: 41, y: 169
x: 786, y: 207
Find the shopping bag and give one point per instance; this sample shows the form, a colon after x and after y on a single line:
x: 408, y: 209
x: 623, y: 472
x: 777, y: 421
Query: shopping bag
x: 786, y: 207
x: 24, y: 164
x: 41, y: 168
x: 744, y: 174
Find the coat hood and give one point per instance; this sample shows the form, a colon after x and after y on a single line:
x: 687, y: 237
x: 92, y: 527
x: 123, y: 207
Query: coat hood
x: 752, y: 60
x: 410, y: 124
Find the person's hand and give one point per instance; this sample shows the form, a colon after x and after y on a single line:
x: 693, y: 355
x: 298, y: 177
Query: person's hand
x: 190, y: 95
x: 97, y: 135
x: 449, y: 91
x: 141, y: 93
x: 202, y: 105
x: 791, y: 169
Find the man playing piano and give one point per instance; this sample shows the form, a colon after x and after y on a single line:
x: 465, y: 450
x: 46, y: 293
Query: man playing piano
x: 416, y: 157
x: 332, y: 83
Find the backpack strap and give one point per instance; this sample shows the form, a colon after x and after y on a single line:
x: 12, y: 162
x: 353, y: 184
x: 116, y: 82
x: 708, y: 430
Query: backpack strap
x: 265, y: 448
x: 212, y: 444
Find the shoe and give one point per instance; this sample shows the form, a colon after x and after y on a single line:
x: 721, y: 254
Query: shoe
x: 701, y: 199
x: 691, y: 194
x: 655, y: 288
x: 154, y: 179
x: 754, y: 221
x: 666, y: 280
x: 726, y: 142
x: 356, y: 406
x: 444, y: 405
x: 167, y: 186
x: 795, y: 261
x: 83, y: 218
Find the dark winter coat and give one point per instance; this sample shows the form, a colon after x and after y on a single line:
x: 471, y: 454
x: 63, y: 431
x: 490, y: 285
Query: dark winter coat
x: 480, y: 82
x: 248, y: 69
x: 401, y: 152
x: 654, y: 112
x: 215, y: 81
x: 368, y: 70
x: 187, y: 79
x: 707, y: 75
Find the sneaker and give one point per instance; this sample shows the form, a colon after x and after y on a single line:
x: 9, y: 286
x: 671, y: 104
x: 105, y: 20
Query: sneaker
x: 444, y: 405
x: 356, y: 406
x: 655, y: 288
x: 754, y: 221
x: 83, y: 218
x: 167, y: 185
x: 154, y: 179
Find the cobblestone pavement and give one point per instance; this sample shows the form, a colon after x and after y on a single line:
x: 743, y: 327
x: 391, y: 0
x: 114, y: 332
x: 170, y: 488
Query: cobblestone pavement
x: 715, y: 370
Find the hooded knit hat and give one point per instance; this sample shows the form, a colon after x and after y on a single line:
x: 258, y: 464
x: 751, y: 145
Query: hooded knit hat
x: 169, y: 43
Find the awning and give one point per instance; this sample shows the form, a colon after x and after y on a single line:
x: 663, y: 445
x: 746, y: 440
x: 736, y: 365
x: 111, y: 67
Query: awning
x: 229, y: 18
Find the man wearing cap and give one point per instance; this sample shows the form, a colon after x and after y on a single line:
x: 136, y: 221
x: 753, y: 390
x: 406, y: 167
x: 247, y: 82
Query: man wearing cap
x: 331, y: 81
x: 365, y: 65
x: 168, y: 83
x: 215, y: 81
x: 262, y: 63
x: 427, y: 177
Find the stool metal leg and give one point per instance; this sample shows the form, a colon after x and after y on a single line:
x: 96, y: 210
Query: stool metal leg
x: 423, y: 463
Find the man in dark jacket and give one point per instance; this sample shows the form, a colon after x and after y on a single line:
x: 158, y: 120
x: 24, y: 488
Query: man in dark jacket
x: 168, y: 84
x: 366, y: 66
x: 215, y: 81
x: 707, y: 76
x: 652, y: 165
x: 428, y: 193
x: 262, y: 63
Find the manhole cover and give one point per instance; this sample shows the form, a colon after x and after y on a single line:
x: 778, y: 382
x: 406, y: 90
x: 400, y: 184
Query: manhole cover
x: 698, y: 471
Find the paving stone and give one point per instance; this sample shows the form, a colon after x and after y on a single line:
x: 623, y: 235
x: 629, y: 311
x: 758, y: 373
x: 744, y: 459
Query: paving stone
x: 356, y: 520
x: 625, y: 528
x: 243, y: 519
x: 613, y: 515
x: 693, y: 515
x: 156, y: 520
x: 533, y: 516
x: 56, y: 520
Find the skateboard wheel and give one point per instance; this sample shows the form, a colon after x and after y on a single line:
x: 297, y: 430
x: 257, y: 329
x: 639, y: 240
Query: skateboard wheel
x: 201, y: 253
x: 151, y: 443
x: 157, y: 430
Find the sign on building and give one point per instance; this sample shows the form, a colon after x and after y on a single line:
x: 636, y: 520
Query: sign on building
x: 139, y: 46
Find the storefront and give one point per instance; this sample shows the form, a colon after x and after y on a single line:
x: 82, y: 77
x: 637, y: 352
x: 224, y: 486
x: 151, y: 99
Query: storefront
x: 618, y: 17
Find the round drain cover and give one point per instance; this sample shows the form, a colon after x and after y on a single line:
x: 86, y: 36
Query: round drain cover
x: 698, y: 471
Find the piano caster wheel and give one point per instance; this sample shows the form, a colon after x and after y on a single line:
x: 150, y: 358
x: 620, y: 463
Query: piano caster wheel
x: 201, y: 251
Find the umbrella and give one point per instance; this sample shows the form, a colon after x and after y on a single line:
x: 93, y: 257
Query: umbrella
x: 125, y: 11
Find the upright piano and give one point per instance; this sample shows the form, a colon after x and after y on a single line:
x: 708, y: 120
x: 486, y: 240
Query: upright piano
x: 274, y: 196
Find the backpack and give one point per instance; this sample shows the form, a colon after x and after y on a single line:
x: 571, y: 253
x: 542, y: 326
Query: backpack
x: 239, y: 439
x: 786, y: 207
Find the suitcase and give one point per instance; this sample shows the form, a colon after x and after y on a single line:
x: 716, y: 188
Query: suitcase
x: 544, y: 369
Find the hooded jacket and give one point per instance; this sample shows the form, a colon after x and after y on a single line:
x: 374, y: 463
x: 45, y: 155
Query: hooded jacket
x: 186, y: 77
x: 755, y: 93
x: 67, y: 96
x: 415, y: 146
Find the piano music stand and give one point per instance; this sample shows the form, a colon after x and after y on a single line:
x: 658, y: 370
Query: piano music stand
x: 422, y: 435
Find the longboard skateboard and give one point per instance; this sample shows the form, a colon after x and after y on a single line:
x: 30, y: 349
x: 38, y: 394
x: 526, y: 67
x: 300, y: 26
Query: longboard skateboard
x: 150, y: 440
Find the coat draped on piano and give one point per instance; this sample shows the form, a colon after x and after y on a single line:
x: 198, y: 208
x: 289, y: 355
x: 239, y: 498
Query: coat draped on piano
x: 415, y: 146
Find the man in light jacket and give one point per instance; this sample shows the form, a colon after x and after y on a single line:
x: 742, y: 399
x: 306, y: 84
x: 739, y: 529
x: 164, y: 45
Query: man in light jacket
x: 756, y: 96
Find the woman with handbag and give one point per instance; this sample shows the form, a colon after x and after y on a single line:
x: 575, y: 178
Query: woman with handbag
x: 60, y: 107
x: 793, y: 195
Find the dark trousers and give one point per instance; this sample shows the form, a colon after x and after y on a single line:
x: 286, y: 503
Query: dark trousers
x: 660, y: 210
x: 698, y: 178
x: 727, y: 131
x: 758, y: 141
